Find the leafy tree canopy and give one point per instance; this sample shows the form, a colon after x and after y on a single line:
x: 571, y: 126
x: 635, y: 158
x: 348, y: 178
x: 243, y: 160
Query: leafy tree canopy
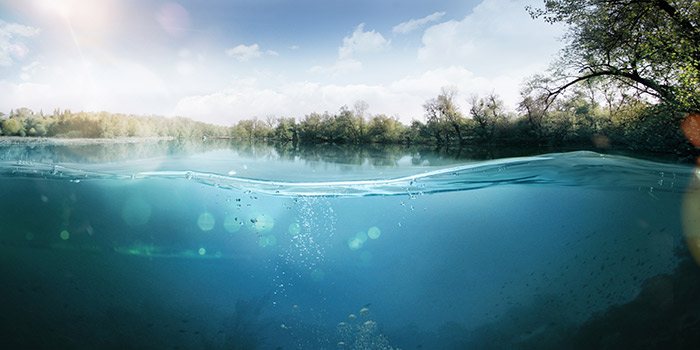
x: 649, y: 45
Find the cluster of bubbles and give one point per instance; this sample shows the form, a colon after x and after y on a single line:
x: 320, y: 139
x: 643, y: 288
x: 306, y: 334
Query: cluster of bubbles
x: 361, y: 333
x: 310, y: 233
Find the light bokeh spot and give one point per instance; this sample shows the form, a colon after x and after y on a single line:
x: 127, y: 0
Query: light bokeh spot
x: 65, y: 235
x: 691, y: 218
x: 202, y: 251
x: 374, y: 232
x: 206, y: 221
x: 173, y: 18
x: 263, y: 223
x: 354, y: 243
x: 294, y: 228
x: 266, y: 241
x: 231, y: 224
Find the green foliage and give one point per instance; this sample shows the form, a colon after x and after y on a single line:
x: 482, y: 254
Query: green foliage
x: 24, y: 122
x: 649, y: 45
x: 346, y: 127
x: 597, y: 114
x: 383, y: 129
x: 486, y: 112
x: 286, y: 130
x: 13, y: 127
x: 443, y: 119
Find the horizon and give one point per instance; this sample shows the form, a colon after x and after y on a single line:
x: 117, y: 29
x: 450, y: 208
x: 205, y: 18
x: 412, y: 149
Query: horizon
x: 221, y: 62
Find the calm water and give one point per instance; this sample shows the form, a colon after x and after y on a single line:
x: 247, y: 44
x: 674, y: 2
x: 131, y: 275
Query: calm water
x: 210, y: 246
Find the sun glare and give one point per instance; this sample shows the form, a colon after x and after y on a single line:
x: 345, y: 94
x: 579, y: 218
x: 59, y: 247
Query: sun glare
x: 81, y: 14
x: 57, y: 7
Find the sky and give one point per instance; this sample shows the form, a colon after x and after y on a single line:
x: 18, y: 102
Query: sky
x: 221, y: 61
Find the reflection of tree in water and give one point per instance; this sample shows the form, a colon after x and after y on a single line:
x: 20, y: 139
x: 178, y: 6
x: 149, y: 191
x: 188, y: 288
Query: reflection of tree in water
x: 390, y: 155
x: 103, y: 151
x: 379, y: 155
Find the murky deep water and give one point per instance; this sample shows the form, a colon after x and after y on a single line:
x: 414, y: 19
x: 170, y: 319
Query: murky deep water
x: 227, y: 248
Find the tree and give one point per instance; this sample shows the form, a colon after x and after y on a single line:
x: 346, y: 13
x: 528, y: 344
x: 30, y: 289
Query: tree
x: 36, y: 125
x: 349, y: 127
x: 286, y: 130
x: 487, y: 112
x: 23, y: 113
x: 310, y: 128
x: 649, y: 45
x: 443, y: 118
x: 534, y: 110
x: 12, y: 127
x: 361, y: 107
x: 383, y: 129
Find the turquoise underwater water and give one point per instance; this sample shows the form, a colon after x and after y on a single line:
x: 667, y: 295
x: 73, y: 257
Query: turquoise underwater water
x: 214, y: 250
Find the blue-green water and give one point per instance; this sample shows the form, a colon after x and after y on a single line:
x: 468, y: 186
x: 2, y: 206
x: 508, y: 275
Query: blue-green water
x: 228, y: 248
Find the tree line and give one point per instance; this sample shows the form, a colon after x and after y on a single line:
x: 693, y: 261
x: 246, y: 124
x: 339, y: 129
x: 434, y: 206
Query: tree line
x: 67, y: 124
x: 595, y: 114
x: 586, y: 116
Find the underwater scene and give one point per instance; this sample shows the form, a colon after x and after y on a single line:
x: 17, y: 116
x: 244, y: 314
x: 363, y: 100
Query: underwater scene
x: 164, y: 245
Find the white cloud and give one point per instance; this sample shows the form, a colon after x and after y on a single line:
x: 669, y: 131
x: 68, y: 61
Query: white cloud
x: 341, y: 67
x: 25, y: 95
x: 414, y: 24
x: 403, y: 97
x: 362, y: 42
x: 190, y: 63
x: 245, y: 53
x: 497, y: 38
x: 230, y: 105
x: 30, y: 70
x: 125, y: 86
x: 11, y: 46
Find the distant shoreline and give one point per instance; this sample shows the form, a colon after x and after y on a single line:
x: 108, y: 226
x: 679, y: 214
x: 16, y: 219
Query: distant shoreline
x: 11, y: 140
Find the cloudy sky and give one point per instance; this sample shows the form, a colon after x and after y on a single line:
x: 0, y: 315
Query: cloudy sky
x: 225, y: 60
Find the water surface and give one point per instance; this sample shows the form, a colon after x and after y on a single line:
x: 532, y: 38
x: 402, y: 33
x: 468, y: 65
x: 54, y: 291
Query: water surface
x: 167, y: 245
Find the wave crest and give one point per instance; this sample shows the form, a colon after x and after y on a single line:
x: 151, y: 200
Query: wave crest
x: 583, y: 168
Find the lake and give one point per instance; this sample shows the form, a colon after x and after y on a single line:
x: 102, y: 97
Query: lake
x: 213, y: 245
